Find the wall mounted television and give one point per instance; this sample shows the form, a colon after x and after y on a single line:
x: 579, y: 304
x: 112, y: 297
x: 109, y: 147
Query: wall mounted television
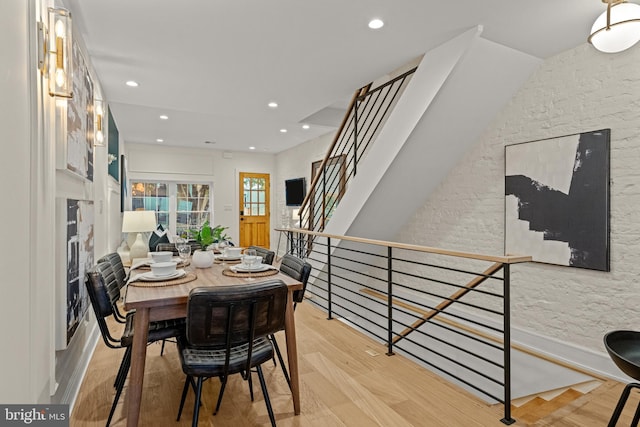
x: 295, y: 191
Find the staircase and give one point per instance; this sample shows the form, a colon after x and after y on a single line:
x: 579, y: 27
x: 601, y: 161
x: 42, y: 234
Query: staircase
x: 383, y: 172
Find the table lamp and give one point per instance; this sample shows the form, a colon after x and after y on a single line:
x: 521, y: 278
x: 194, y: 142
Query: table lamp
x: 138, y: 222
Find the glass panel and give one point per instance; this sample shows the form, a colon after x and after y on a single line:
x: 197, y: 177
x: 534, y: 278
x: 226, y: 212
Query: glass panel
x: 254, y: 196
x: 261, y: 196
x: 246, y: 183
x: 137, y: 203
x: 261, y: 209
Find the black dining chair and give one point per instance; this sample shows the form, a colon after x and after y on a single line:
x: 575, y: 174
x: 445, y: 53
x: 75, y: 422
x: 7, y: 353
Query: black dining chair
x: 300, y: 270
x: 114, y: 288
x: 171, y: 247
x: 266, y: 254
x: 98, y: 281
x: 226, y: 333
x: 624, y: 349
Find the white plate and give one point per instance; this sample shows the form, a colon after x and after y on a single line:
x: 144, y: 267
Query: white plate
x: 150, y: 277
x: 228, y: 258
x: 244, y: 269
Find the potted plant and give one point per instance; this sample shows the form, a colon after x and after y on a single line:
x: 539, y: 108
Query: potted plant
x: 206, y: 236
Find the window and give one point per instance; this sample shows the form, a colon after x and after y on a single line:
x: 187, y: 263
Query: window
x: 178, y: 206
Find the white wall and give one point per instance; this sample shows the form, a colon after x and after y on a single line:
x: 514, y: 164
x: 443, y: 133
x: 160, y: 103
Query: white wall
x: 579, y: 90
x: 149, y: 162
x: 15, y: 168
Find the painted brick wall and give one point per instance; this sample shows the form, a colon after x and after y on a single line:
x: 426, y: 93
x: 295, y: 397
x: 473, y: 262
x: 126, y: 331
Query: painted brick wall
x: 578, y: 90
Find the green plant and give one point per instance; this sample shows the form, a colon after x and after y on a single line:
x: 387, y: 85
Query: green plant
x: 208, y: 235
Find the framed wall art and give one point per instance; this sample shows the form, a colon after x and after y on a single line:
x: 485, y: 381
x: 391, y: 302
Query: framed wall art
x: 77, y: 256
x: 557, y: 200
x: 113, y: 148
x: 79, y: 123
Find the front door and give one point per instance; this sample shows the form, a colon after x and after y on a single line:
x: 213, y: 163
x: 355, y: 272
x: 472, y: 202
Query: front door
x: 255, y: 223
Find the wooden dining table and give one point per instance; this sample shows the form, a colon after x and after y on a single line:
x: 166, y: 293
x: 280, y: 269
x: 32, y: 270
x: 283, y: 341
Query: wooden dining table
x: 153, y: 303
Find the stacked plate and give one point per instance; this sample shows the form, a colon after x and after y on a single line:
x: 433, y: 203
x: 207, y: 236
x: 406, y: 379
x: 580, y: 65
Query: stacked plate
x: 151, y: 277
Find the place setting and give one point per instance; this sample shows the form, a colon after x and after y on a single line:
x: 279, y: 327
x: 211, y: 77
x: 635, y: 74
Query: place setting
x: 229, y: 255
x: 163, y: 256
x: 250, y: 266
x: 162, y: 274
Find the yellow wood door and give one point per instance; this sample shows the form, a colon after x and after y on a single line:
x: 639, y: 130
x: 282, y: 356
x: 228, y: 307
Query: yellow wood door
x: 255, y: 223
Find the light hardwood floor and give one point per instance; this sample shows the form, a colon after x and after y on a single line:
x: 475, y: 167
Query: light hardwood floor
x: 341, y: 385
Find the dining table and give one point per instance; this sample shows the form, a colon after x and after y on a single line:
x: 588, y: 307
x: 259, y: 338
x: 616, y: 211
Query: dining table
x: 166, y: 301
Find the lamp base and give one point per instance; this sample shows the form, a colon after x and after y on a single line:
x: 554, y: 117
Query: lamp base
x: 139, y: 249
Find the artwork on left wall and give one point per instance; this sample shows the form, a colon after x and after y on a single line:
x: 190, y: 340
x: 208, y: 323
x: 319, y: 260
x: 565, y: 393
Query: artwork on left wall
x: 79, y: 238
x: 79, y: 141
x: 557, y: 200
x: 113, y: 148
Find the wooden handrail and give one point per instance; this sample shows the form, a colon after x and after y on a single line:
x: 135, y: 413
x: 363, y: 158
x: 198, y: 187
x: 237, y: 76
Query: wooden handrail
x: 506, y: 259
x: 354, y: 99
x: 490, y: 337
x: 494, y: 268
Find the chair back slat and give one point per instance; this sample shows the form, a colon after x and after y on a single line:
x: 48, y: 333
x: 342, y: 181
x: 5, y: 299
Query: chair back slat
x: 95, y: 281
x: 230, y: 315
x: 119, y: 272
x: 266, y: 254
x: 299, y: 270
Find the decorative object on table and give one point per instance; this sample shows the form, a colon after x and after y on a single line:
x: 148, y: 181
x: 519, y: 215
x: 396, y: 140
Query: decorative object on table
x: 159, y: 235
x: 203, y: 258
x: 138, y: 222
x: 557, y: 200
x: 208, y: 235
x: 617, y: 28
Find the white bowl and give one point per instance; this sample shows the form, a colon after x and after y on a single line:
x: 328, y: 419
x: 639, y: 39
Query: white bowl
x: 232, y: 252
x: 163, y: 268
x: 162, y: 256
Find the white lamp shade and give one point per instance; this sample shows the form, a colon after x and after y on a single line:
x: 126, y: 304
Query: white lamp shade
x: 138, y: 221
x: 621, y: 35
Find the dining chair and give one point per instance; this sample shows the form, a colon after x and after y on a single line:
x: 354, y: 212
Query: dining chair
x: 120, y: 276
x: 300, y: 270
x: 266, y: 254
x: 226, y: 333
x: 171, y: 247
x: 98, y: 280
x: 624, y: 349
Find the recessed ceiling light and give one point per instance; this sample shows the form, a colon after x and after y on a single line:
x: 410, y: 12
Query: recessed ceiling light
x: 159, y: 140
x: 283, y: 130
x: 164, y: 117
x: 376, y: 23
x: 131, y: 83
x: 273, y: 104
x: 305, y: 126
x: 252, y: 148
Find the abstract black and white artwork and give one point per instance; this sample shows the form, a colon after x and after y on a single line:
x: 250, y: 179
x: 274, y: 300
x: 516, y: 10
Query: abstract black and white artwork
x: 557, y: 200
x: 80, y: 119
x: 80, y: 221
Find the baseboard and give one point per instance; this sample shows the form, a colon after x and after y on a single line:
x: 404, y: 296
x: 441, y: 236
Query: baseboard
x: 69, y: 393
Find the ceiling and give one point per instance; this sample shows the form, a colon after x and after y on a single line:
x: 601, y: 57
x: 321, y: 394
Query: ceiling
x: 212, y: 66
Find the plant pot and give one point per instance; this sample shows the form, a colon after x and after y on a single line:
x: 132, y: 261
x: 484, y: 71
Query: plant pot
x: 202, y: 258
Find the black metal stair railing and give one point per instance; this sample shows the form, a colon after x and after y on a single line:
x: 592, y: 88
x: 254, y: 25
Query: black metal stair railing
x: 446, y: 310
x: 368, y: 111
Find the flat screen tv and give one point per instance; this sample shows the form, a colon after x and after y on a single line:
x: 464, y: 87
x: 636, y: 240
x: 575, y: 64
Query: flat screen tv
x: 295, y: 191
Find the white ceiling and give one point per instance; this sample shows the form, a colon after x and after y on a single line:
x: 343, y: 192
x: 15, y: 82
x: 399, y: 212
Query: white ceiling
x: 213, y: 65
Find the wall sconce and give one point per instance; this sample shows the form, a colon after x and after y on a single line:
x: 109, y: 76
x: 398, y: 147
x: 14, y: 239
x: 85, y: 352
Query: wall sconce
x: 618, y: 28
x: 98, y: 119
x: 55, y: 55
